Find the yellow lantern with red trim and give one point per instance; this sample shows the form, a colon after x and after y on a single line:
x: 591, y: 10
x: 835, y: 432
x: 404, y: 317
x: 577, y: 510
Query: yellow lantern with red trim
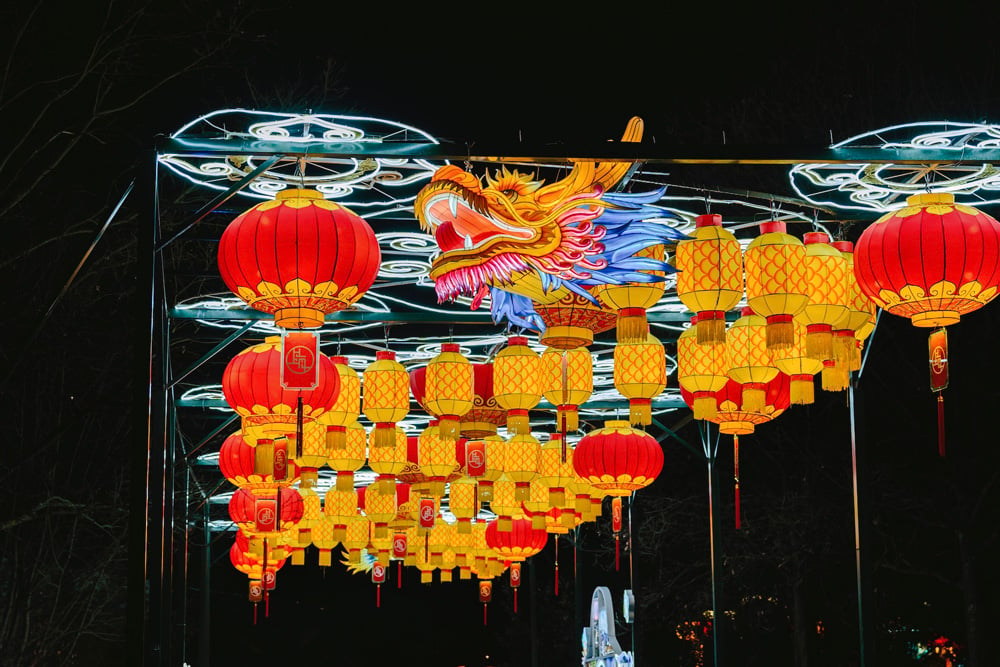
x: 389, y: 462
x: 340, y: 507
x: 356, y: 538
x: 520, y: 463
x: 505, y: 504
x: 777, y: 280
x: 346, y: 408
x: 494, y: 450
x: 568, y: 382
x: 632, y: 300
x: 859, y: 321
x: 323, y: 539
x: 555, y: 470
x: 701, y: 370
x: 349, y: 459
x: 826, y: 269
x: 436, y: 458
x: 312, y: 455
x: 449, y: 389
x: 312, y: 508
x: 379, y: 507
x: 386, y: 398
x: 518, y: 382
x: 463, y: 503
x: 710, y: 276
x: 799, y: 367
x: 750, y: 362
x: 640, y: 372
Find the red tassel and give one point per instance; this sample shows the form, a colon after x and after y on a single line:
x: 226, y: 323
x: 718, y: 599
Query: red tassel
x: 255, y: 613
x: 399, y: 574
x: 515, y: 600
x: 267, y: 604
x: 617, y: 557
x: 378, y: 596
x: 940, y: 403
x: 736, y: 477
x: 484, y: 613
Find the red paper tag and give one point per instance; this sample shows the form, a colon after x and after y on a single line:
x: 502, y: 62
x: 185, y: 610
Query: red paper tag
x: 265, y: 514
x: 378, y: 573
x: 616, y: 514
x: 426, y: 512
x: 399, y: 545
x: 475, y: 458
x: 937, y: 346
x: 256, y: 591
x: 485, y: 591
x: 280, y: 459
x: 299, y: 369
x: 270, y: 580
x: 515, y: 575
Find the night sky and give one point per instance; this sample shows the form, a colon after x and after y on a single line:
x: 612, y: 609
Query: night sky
x: 499, y: 73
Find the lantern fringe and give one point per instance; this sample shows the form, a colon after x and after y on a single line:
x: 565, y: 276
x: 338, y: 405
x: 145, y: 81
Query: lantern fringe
x: 632, y: 328
x: 426, y: 577
x: 835, y: 378
x: 582, y: 505
x: 336, y: 440
x: 345, y: 481
x: 753, y: 399
x: 381, y: 531
x: 710, y: 331
x: 844, y: 349
x: 557, y: 498
x: 780, y: 335
x: 640, y: 412
x: 567, y: 418
x: 448, y: 428
x: 354, y: 556
x: 522, y: 491
x: 382, y: 436
x: 538, y: 522
x: 325, y: 559
x: 819, y: 345
x: 447, y: 576
x: 802, y: 391
x: 386, y: 485
x: 464, y: 527
x: 299, y: 557
x: 340, y: 533
x: 518, y: 424
x: 856, y: 355
x: 940, y: 415
x: 705, y: 407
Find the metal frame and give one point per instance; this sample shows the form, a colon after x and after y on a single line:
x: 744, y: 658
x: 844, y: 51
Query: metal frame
x: 162, y: 505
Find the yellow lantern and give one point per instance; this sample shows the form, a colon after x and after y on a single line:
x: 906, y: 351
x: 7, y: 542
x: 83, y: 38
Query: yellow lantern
x: 386, y: 396
x: 357, y: 537
x: 640, y: 370
x: 568, y: 381
x: 449, y: 390
x: 312, y: 509
x: 859, y: 322
x: 799, y: 367
x: 340, y: 508
x: 710, y: 276
x: 750, y: 362
x: 520, y: 463
x: 777, y: 281
x: 346, y: 408
x: 313, y: 453
x: 323, y: 539
x: 555, y: 471
x: 349, y: 459
x: 631, y: 300
x: 538, y: 506
x: 505, y: 504
x: 826, y: 269
x: 379, y: 507
x: 517, y: 382
x: 436, y: 458
x: 462, y: 503
x: 389, y: 462
x: 495, y: 449
x: 701, y: 370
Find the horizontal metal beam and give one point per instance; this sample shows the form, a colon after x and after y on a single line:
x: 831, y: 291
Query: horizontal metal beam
x: 409, y: 316
x: 564, y: 154
x: 665, y: 403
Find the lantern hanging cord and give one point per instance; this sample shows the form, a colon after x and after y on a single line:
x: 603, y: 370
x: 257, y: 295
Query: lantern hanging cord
x: 818, y: 227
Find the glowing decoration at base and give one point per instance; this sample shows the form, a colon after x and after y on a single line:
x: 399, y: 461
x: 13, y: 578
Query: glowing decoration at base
x: 932, y: 261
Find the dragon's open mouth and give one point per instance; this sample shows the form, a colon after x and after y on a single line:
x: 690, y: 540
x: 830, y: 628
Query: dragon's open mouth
x: 476, y: 280
x: 461, y: 226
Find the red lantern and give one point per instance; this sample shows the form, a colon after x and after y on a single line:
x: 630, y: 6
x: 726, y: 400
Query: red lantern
x: 519, y: 543
x: 249, y: 467
x: 252, y: 387
x: 618, y: 459
x: 249, y: 512
x: 932, y: 261
x: 299, y: 257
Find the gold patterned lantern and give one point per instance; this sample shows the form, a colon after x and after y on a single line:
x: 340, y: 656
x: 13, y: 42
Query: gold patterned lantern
x: 538, y: 506
x: 859, y: 321
x: 323, y: 539
x: 520, y: 463
x: 777, y: 281
x: 357, y: 537
x: 710, y: 276
x: 340, y: 508
x: 449, y: 390
x: 640, y: 373
x: 349, y: 459
x: 701, y: 370
x: 379, y: 507
x: 517, y: 382
x: 386, y: 396
x: 750, y: 362
x: 555, y: 470
x: 631, y: 300
x: 826, y: 269
x: 799, y: 367
x: 568, y: 382
x: 346, y: 408
x: 389, y: 462
x: 573, y: 321
x: 462, y: 503
x: 505, y: 504
x: 312, y: 455
x: 312, y: 508
x: 436, y: 458
x: 495, y: 449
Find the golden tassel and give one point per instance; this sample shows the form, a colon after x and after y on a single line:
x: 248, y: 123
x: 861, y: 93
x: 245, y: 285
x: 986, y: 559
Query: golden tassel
x: 780, y: 332
x: 710, y: 330
x: 383, y: 436
x: 345, y: 481
x: 582, y: 505
x: 465, y: 573
x: 464, y: 527
x: 754, y: 399
x: 557, y: 497
x: 336, y: 438
x: 640, y: 412
x: 835, y: 378
x: 844, y: 346
x: 340, y: 533
x: 299, y: 557
x: 484, y: 492
x: 448, y: 427
x: 381, y: 531
x: 802, y: 390
x: 354, y: 556
x: 705, y: 407
x: 856, y: 355
x: 522, y: 491
x: 518, y: 422
x: 538, y: 521
x: 325, y: 559
x: 446, y: 576
x: 426, y: 577
x: 567, y: 519
x: 819, y: 343
x: 632, y: 326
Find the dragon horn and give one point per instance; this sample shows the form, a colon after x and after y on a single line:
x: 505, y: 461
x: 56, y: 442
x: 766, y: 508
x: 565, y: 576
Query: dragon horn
x: 586, y: 174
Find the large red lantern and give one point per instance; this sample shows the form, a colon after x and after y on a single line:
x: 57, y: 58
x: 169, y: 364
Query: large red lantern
x: 299, y: 257
x: 522, y: 541
x: 618, y: 459
x: 252, y: 387
x: 932, y: 261
x: 252, y: 468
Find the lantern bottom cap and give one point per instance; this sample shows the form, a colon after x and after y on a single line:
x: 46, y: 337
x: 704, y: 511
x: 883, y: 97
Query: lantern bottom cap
x: 299, y: 317
x: 935, y: 318
x: 566, y: 337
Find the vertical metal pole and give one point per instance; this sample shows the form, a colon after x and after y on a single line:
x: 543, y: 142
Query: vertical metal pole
x: 710, y: 450
x: 205, y: 630
x: 866, y: 656
x: 182, y: 591
x: 167, y: 548
x: 533, y: 609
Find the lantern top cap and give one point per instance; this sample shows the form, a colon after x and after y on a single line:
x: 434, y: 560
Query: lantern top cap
x: 844, y: 246
x: 772, y: 226
x: 924, y: 198
x: 815, y: 237
x: 264, y: 441
x: 385, y: 354
x: 449, y: 347
x: 746, y: 310
x: 339, y: 360
x: 298, y: 193
x: 273, y: 340
x: 617, y: 423
x: 708, y: 220
x: 517, y: 340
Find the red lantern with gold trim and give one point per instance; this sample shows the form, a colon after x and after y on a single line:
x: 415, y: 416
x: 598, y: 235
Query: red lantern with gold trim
x: 299, y: 257
x: 618, y: 459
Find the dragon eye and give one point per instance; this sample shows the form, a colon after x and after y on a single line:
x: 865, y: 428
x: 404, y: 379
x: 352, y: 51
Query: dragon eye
x: 510, y: 194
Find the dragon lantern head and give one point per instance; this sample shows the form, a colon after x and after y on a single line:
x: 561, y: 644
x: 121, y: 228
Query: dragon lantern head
x: 517, y: 234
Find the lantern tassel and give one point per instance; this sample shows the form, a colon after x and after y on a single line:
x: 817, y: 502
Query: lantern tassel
x: 267, y: 604
x: 780, y: 332
x: 556, y: 540
x: 515, y: 600
x: 484, y: 613
x: 640, y: 412
x: 632, y: 326
x: 378, y: 596
x: 940, y: 411
x: 298, y: 429
x: 255, y: 613
x: 736, y: 477
x: 710, y: 330
x: 617, y: 555
x: 399, y: 574
x: 383, y: 435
